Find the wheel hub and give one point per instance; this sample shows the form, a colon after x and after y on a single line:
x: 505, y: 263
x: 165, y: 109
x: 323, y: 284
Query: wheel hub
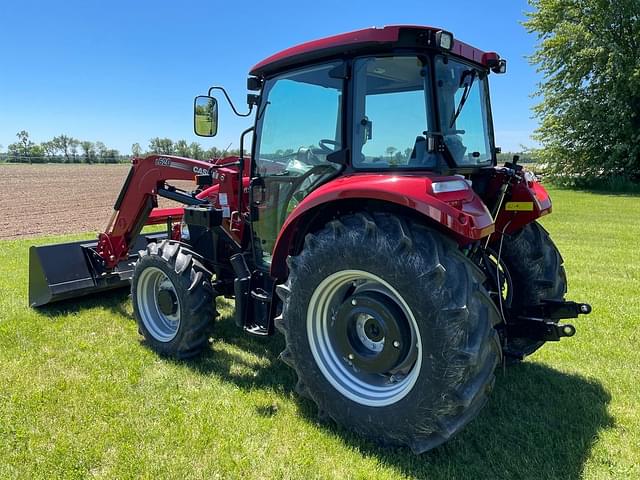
x: 167, y: 301
x: 371, y: 333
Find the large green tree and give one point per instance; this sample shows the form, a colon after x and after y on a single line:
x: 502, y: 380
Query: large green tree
x: 67, y: 145
x: 589, y: 54
x: 49, y: 149
x: 88, y: 151
x: 136, y: 150
x: 24, y: 141
x: 21, y: 151
x: 196, y: 151
x: 181, y: 148
x: 163, y: 146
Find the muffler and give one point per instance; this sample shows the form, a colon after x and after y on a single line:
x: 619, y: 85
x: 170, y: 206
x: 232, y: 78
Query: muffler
x: 70, y: 270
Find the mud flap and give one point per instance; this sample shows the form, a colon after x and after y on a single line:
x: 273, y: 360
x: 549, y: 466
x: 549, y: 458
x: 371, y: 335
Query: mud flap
x: 70, y: 270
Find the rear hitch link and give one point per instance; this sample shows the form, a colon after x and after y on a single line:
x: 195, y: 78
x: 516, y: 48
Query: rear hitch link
x: 539, y: 322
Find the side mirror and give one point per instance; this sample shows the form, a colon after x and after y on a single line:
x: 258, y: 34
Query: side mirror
x: 205, y: 116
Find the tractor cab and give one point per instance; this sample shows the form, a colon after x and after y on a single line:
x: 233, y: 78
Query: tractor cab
x: 395, y: 101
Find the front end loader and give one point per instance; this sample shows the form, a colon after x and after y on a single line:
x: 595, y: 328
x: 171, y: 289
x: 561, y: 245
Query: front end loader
x: 70, y: 270
x: 371, y: 225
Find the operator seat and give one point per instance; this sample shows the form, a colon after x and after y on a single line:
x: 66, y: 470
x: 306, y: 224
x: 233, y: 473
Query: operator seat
x: 419, y: 155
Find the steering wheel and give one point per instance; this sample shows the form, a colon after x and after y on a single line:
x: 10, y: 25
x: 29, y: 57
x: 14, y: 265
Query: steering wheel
x: 308, y: 156
x: 328, y: 146
x: 298, y: 192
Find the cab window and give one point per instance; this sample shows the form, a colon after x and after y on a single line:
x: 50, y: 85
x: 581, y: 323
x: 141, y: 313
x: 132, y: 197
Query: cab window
x: 300, y: 125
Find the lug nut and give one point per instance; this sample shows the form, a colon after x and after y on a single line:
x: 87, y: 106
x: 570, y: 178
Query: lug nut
x: 351, y: 356
x: 396, y: 343
x: 354, y: 302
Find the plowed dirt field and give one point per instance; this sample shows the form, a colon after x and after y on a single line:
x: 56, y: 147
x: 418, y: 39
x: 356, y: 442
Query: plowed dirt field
x: 54, y: 199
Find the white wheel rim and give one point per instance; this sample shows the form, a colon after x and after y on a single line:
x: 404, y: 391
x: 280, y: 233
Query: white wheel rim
x: 161, y: 326
x: 373, y: 391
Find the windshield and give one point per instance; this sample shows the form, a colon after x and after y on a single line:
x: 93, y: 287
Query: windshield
x: 391, y: 113
x: 464, y: 115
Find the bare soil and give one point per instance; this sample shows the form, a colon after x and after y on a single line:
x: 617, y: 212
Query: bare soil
x: 55, y: 199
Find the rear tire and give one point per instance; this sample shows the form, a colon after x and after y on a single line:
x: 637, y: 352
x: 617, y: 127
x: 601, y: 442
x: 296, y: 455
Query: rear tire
x: 417, y: 285
x: 173, y: 300
x: 536, y: 272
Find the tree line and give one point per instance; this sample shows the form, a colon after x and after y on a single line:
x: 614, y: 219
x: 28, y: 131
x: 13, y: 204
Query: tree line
x: 67, y: 149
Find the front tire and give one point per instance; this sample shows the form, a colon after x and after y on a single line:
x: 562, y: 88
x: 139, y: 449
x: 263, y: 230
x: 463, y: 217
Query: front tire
x: 173, y: 300
x: 390, y: 330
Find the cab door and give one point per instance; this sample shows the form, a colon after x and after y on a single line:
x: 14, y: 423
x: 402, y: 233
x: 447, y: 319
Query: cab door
x: 299, y: 126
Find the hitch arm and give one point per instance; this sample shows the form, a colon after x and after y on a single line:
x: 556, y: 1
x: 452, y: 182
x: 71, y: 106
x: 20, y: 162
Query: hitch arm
x: 539, y: 322
x: 558, y: 309
x: 539, y: 329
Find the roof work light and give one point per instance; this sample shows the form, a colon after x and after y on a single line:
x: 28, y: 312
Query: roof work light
x: 444, y: 39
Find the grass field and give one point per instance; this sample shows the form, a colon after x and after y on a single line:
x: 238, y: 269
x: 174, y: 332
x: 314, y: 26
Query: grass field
x: 80, y: 396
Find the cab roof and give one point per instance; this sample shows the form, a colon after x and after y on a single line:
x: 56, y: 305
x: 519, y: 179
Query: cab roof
x: 368, y: 40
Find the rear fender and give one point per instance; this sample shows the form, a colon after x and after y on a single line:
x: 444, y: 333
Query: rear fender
x: 461, y: 214
x: 529, y: 201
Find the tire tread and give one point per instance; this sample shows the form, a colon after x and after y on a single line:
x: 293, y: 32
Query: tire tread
x: 467, y: 375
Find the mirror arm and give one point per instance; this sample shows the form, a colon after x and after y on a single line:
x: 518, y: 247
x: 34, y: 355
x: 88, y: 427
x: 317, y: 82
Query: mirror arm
x: 226, y: 95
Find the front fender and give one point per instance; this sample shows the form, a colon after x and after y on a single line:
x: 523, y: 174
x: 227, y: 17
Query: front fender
x: 462, y: 213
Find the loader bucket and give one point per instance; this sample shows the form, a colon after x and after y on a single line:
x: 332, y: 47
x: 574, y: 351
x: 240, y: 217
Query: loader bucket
x: 70, y: 270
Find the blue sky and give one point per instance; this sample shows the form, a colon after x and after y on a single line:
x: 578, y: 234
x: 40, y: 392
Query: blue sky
x: 125, y: 71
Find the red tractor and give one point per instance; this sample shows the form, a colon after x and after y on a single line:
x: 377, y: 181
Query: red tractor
x: 371, y: 225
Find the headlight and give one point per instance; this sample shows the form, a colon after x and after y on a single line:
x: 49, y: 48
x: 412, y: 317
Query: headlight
x: 449, y: 186
x: 530, y: 177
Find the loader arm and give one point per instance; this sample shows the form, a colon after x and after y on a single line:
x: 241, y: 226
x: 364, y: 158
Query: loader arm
x: 139, y: 196
x: 69, y: 270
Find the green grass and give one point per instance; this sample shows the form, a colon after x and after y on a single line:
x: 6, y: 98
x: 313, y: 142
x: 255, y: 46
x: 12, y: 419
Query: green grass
x: 204, y: 125
x: 81, y: 396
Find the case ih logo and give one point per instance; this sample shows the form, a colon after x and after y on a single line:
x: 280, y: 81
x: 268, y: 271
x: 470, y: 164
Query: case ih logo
x: 200, y: 171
